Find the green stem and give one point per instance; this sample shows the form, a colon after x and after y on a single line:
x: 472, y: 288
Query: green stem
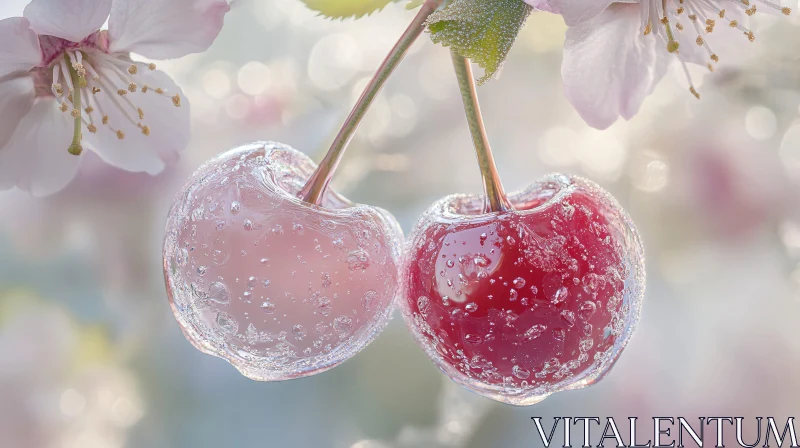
x: 315, y: 187
x: 496, y: 199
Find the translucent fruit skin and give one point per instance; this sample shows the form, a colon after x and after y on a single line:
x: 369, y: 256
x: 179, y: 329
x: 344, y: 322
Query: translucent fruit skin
x: 279, y: 288
x: 516, y: 306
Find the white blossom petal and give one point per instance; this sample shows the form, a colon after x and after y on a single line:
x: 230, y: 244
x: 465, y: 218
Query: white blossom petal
x: 36, y: 158
x: 16, y: 100
x: 20, y: 49
x: 160, y: 29
x: 609, y: 68
x: 573, y: 11
x: 72, y: 20
x: 168, y: 126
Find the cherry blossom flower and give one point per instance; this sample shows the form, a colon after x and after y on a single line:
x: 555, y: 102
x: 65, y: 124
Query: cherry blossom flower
x: 616, y: 52
x: 66, y: 86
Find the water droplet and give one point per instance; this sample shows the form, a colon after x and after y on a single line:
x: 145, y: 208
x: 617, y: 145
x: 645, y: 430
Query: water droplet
x: 368, y: 300
x: 423, y: 305
x: 481, y: 260
x: 342, y: 324
x: 560, y: 295
x: 251, y: 282
x: 587, y: 310
x: 559, y: 334
x: 358, y: 259
x: 521, y: 372
x: 534, y: 290
x: 235, y: 207
x: 227, y: 323
x: 450, y: 263
x: 197, y: 214
x: 299, y: 332
x: 297, y: 227
x: 220, y: 225
x: 252, y: 332
x: 182, y: 257
x: 519, y: 282
x: 513, y: 295
x: 326, y: 280
x: 265, y: 282
x: 473, y: 339
x: 248, y: 224
x: 471, y: 307
x: 218, y: 292
x: 483, y: 237
x: 201, y: 270
x: 568, y: 317
x: 268, y: 307
x: 264, y: 260
x: 324, y: 306
x: 535, y: 331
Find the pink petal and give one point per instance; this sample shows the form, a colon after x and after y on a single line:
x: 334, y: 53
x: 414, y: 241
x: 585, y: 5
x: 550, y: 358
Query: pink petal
x: 16, y: 100
x: 610, y: 67
x: 160, y: 29
x: 73, y: 20
x: 20, y: 49
x: 36, y: 158
x: 169, y: 128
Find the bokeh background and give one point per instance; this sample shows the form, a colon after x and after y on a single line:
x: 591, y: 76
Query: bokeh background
x: 90, y: 356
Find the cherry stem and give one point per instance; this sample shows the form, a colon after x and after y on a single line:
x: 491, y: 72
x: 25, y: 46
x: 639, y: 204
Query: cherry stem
x: 315, y: 187
x: 496, y: 199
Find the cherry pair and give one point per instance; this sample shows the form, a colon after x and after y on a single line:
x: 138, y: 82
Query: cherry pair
x: 513, y: 296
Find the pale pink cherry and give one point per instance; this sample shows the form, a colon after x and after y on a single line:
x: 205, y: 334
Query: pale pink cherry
x: 278, y: 287
x: 66, y: 85
x: 615, y: 53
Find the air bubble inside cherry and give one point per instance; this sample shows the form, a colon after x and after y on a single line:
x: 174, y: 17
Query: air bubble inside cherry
x: 518, y: 305
x: 278, y: 287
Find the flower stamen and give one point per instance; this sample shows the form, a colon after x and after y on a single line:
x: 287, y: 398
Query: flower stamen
x: 75, y: 147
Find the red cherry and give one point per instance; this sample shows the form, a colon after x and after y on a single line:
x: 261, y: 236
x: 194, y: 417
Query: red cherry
x: 516, y: 305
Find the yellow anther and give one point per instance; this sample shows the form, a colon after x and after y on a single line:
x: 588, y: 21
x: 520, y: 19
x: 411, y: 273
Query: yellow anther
x: 120, y: 135
x: 694, y: 92
x: 95, y: 90
x: 146, y: 130
x: 63, y: 107
x: 176, y: 100
x: 160, y: 91
x: 152, y: 66
x: 92, y: 128
x: 89, y: 109
x: 57, y: 87
x: 122, y: 92
x: 75, y: 113
x: 145, y: 88
x: 133, y: 87
x: 141, y: 114
x: 133, y: 69
x: 105, y: 119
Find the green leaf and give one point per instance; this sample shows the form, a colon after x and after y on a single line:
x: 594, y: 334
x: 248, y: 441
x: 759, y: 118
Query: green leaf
x: 340, y: 9
x: 481, y: 30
